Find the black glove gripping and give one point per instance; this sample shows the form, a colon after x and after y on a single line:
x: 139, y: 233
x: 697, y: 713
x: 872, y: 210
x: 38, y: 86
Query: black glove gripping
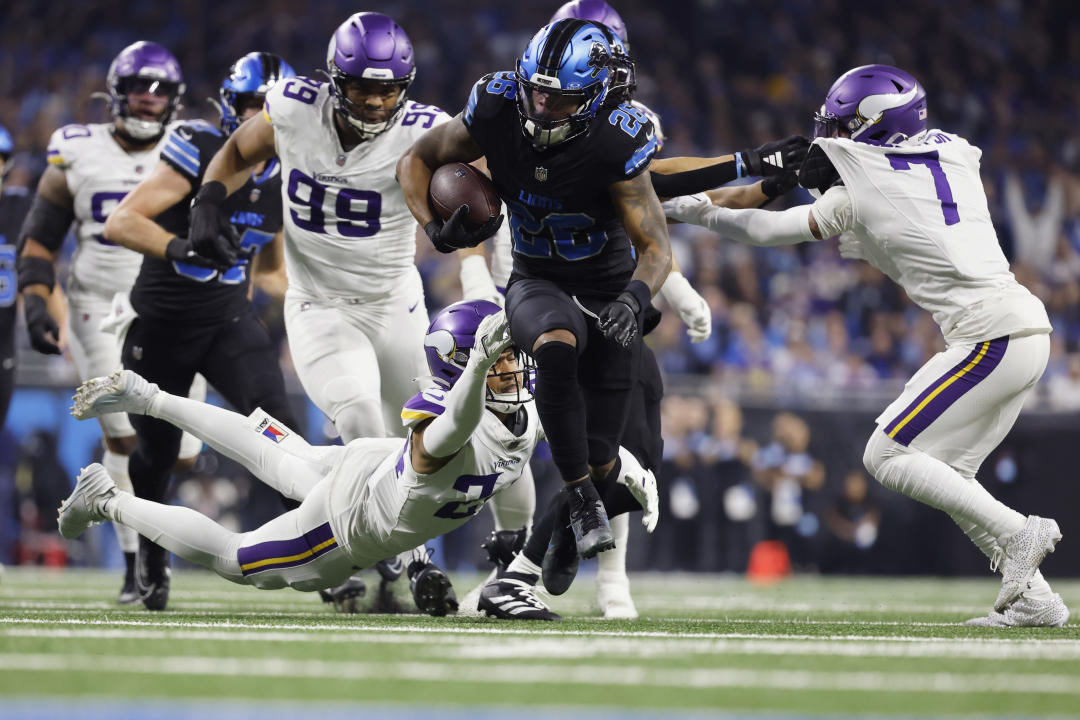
x: 210, y: 233
x: 41, y: 325
x: 817, y: 171
x: 453, y: 235
x: 773, y: 158
x: 619, y: 320
x: 180, y: 250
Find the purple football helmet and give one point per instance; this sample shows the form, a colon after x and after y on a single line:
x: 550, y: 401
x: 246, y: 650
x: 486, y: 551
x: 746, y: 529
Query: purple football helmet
x: 369, y: 46
x: 595, y: 10
x: 450, y: 339
x: 875, y: 104
x: 144, y: 67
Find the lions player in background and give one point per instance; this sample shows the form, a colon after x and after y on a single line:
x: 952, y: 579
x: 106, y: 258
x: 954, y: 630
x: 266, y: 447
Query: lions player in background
x: 91, y: 169
x: 14, y: 203
x: 909, y: 200
x: 190, y: 302
x: 354, y: 312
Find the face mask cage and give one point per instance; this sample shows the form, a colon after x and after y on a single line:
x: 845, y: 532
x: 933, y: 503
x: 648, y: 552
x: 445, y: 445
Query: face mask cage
x: 524, y: 378
x: 354, y: 112
x: 140, y: 128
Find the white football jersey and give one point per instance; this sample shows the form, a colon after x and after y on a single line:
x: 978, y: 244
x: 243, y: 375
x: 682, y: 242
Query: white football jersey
x: 382, y: 506
x: 99, y: 174
x: 917, y: 212
x: 348, y: 232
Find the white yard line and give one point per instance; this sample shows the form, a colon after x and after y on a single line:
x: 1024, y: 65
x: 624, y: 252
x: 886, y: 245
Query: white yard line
x: 530, y: 631
x: 624, y: 675
x: 529, y: 649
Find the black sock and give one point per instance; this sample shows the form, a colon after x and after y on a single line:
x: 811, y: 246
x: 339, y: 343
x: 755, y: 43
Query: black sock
x: 562, y: 408
x: 556, y: 516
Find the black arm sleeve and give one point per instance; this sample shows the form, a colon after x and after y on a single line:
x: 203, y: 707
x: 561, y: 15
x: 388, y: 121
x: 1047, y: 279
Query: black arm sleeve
x: 694, y: 181
x: 47, y: 223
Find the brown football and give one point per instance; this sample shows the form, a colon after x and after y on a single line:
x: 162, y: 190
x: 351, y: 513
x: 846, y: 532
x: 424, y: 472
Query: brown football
x: 457, y: 184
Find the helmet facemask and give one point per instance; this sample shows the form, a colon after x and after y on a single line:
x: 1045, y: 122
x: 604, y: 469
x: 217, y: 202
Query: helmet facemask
x: 514, y: 386
x: 551, y: 114
x: 342, y: 83
x: 136, y: 127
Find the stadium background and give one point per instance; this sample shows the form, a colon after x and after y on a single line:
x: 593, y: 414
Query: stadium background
x: 765, y: 422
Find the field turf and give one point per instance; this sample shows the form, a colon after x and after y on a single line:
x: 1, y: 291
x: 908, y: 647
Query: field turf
x: 705, y: 646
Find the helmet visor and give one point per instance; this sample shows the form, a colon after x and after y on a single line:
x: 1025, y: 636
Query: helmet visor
x: 548, y: 107
x: 147, y: 86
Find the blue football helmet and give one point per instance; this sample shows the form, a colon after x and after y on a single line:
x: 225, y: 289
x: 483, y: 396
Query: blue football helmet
x: 249, y: 79
x: 563, y: 78
x: 624, y: 82
x: 7, y: 145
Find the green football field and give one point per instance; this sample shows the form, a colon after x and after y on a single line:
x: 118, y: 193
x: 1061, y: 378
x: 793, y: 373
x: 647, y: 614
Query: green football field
x: 704, y: 646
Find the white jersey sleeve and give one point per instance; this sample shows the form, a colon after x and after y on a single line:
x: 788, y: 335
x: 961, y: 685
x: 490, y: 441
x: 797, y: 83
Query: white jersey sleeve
x: 348, y: 231
x: 99, y: 173
x: 918, y: 213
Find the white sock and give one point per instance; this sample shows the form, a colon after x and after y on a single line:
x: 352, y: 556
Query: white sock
x: 522, y: 564
x: 934, y: 483
x: 117, y: 466
x: 227, y: 432
x: 611, y: 564
x: 180, y: 530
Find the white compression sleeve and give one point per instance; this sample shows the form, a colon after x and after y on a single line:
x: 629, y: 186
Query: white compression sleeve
x: 753, y: 227
x: 449, y: 432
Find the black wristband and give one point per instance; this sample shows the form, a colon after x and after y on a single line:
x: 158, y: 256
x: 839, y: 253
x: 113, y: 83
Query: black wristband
x: 694, y: 181
x: 35, y: 271
x: 211, y: 193
x: 641, y: 293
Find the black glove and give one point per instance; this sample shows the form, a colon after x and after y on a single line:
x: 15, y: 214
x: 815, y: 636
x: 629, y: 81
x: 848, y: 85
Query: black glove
x: 453, y: 235
x: 41, y: 325
x: 180, y: 250
x: 618, y: 321
x: 773, y: 158
x: 776, y: 185
x: 817, y: 171
x: 210, y: 233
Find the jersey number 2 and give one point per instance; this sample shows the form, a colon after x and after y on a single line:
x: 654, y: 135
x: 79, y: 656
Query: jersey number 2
x: 904, y: 161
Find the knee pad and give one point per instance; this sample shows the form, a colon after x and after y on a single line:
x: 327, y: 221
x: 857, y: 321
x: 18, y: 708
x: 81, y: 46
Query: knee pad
x: 879, y: 449
x: 354, y: 410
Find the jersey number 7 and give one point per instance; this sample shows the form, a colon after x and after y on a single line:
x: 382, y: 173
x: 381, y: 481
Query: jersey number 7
x: 904, y: 161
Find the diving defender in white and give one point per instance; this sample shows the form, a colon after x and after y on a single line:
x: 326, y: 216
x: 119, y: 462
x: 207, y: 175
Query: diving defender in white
x: 909, y: 200
x: 470, y: 433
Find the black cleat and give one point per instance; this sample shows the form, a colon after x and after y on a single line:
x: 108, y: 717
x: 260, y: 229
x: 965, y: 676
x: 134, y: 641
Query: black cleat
x: 129, y: 592
x: 390, y: 569
x: 588, y: 519
x: 344, y: 597
x: 560, y: 564
x: 431, y: 588
x: 512, y: 596
x: 502, y: 545
x: 153, y: 575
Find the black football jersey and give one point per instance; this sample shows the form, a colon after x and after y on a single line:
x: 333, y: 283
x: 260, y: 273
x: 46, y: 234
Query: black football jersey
x: 562, y: 220
x: 14, y: 204
x: 179, y: 292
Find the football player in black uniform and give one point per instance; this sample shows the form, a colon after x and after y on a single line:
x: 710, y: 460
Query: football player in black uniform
x: 14, y: 202
x: 571, y: 171
x: 194, y: 312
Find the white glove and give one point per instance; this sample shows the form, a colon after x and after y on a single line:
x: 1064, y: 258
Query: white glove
x: 849, y: 246
x: 476, y: 282
x: 642, y: 485
x: 692, y: 308
x: 492, y: 337
x: 686, y: 208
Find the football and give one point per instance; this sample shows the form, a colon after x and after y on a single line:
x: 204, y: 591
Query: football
x: 457, y: 184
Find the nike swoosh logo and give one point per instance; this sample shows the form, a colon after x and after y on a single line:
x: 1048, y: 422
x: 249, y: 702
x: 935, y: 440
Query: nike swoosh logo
x: 414, y: 306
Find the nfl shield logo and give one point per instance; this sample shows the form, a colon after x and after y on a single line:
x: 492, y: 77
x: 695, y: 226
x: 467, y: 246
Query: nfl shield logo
x: 541, y: 173
x: 255, y: 193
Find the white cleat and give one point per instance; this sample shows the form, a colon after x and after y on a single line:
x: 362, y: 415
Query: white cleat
x: 1024, y: 551
x: 1026, y: 612
x: 642, y: 485
x: 613, y: 596
x: 86, y: 504
x: 121, y: 391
